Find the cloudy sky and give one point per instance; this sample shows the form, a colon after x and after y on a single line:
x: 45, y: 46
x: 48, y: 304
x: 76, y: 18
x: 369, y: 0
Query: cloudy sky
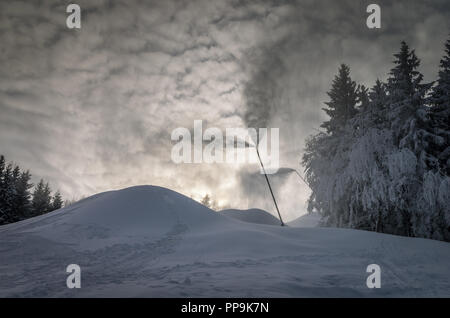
x: 93, y: 109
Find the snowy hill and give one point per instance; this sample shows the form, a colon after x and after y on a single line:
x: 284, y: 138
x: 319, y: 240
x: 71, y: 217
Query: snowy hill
x: 306, y: 220
x: 152, y: 242
x: 252, y: 216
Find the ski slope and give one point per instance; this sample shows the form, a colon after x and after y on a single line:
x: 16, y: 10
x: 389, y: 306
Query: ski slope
x: 149, y: 241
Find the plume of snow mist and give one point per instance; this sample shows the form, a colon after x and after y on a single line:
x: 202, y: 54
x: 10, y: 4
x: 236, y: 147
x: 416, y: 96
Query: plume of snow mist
x: 262, y: 90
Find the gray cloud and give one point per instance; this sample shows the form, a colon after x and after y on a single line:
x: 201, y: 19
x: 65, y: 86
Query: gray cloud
x: 93, y: 109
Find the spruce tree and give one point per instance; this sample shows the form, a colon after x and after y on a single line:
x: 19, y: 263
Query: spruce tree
x: 22, y: 203
x: 378, y: 97
x: 363, y: 119
x: 436, y: 187
x: 15, y: 212
x: 41, y: 199
x: 3, y: 215
x: 363, y: 99
x: 343, y: 99
x: 16, y: 201
x: 440, y: 114
x: 407, y: 108
x: 7, y: 194
x: 411, y: 166
x: 2, y: 165
x: 48, y: 198
x: 365, y: 172
x: 326, y: 154
x: 57, y: 202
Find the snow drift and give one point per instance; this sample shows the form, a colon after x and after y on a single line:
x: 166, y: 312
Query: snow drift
x: 257, y: 216
x: 152, y: 242
x: 306, y: 220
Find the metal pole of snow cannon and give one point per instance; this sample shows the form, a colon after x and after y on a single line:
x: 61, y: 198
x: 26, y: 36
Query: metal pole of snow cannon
x: 270, y: 188
x: 303, y: 179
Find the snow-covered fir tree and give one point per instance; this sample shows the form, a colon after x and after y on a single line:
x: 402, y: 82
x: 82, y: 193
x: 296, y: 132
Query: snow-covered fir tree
x: 326, y: 153
x: 378, y: 169
x: 440, y: 113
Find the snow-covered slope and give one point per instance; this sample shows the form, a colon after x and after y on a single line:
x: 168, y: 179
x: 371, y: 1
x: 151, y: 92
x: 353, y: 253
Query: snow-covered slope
x: 306, y: 220
x: 252, y: 216
x: 152, y: 242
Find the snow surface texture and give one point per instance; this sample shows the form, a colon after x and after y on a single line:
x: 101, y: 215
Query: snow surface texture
x: 152, y: 242
x: 307, y: 220
x: 252, y: 216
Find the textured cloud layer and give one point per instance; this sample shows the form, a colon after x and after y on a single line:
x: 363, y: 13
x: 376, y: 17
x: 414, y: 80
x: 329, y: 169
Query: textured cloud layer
x: 93, y: 109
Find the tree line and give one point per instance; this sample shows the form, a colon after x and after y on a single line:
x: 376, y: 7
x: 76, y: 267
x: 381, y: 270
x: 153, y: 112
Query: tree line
x: 19, y: 198
x: 382, y: 161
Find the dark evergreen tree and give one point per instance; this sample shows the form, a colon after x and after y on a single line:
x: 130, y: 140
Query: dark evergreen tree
x: 57, y: 202
x: 16, y: 201
x: 2, y: 165
x: 7, y: 194
x: 41, y: 203
x: 15, y: 174
x: 15, y: 212
x: 440, y: 114
x: 48, y: 198
x: 408, y: 113
x: 378, y: 97
x: 343, y: 99
x: 3, y: 215
x: 22, y: 202
x: 363, y: 99
x: 359, y: 122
